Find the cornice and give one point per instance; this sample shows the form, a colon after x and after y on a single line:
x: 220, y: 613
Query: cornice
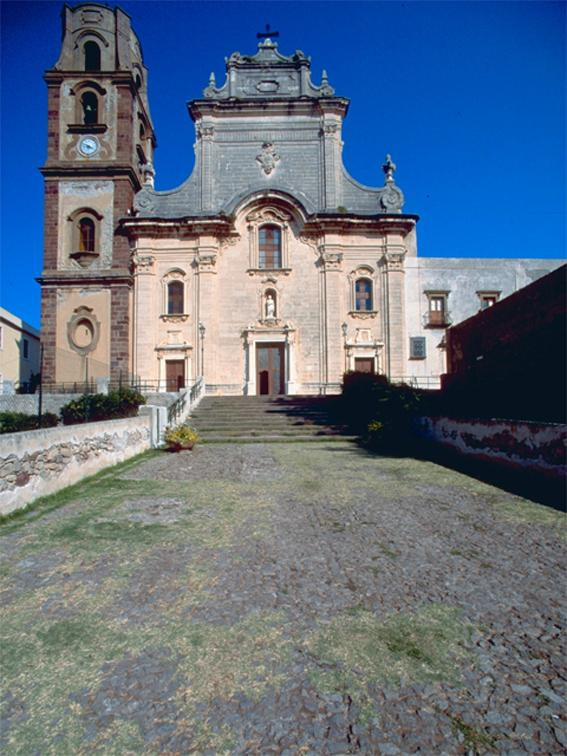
x: 215, y: 226
x: 55, y: 76
x: 68, y: 169
x: 116, y: 277
x: 349, y: 222
x: 273, y: 106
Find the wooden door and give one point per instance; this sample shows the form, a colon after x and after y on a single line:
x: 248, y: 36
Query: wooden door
x: 270, y: 369
x: 174, y: 375
x: 364, y: 364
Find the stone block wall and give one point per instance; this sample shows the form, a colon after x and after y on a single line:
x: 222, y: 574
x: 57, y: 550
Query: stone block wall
x: 29, y: 403
x: 534, y: 447
x: 41, y: 462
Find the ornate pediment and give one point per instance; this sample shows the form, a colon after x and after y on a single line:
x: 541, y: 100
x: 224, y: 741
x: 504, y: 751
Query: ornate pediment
x: 268, y: 213
x: 266, y: 74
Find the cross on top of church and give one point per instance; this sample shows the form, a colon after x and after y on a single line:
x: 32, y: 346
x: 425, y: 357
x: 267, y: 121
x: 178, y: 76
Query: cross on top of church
x: 267, y: 34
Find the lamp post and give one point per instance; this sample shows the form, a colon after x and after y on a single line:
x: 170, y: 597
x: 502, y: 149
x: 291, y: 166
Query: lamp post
x: 202, y: 335
x: 344, y: 329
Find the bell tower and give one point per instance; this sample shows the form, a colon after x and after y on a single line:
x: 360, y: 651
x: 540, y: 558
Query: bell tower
x: 99, y: 154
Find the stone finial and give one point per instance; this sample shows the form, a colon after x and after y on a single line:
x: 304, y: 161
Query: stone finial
x: 212, y: 80
x: 391, y: 196
x: 389, y: 167
x: 324, y: 77
x: 149, y: 174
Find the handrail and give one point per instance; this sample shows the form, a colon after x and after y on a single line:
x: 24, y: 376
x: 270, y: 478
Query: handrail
x: 196, y: 390
x: 177, y: 409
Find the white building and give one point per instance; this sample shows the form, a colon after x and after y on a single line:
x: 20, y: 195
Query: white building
x: 19, y: 352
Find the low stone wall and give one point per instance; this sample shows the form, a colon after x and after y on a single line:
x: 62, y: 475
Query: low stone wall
x: 530, y: 446
x: 41, y: 462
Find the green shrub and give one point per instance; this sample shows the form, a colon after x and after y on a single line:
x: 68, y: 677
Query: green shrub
x: 13, y: 422
x: 182, y: 437
x: 92, y: 407
x: 379, y: 411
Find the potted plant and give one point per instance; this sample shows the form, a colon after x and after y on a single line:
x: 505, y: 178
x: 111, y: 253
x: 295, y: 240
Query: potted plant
x: 181, y: 437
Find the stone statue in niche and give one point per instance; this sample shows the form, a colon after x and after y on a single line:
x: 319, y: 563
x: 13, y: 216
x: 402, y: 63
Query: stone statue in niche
x: 270, y: 307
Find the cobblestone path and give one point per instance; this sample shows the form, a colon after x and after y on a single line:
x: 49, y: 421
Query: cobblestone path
x: 283, y: 598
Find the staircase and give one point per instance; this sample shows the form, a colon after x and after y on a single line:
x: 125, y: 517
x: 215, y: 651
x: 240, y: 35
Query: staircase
x: 255, y: 419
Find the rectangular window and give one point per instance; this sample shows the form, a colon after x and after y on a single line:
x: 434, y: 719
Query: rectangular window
x: 26, y: 349
x: 487, y: 299
x: 363, y: 295
x: 270, y: 247
x: 417, y: 347
x: 437, y: 314
x: 175, y: 298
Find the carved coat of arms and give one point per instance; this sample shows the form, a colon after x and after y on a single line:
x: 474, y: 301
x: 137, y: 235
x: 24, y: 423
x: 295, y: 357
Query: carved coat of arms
x: 268, y: 158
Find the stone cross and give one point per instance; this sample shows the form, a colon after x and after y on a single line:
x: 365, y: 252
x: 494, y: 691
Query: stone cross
x: 267, y: 34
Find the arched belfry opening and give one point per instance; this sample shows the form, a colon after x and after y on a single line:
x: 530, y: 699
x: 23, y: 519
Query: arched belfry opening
x: 92, y: 56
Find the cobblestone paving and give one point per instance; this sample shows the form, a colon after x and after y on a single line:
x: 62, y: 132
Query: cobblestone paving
x: 283, y: 599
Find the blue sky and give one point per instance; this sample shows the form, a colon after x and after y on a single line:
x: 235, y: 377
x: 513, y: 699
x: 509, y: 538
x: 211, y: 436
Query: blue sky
x: 469, y: 98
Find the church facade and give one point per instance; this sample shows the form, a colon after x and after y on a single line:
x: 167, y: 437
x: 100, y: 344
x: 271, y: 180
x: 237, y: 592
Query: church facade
x: 270, y: 270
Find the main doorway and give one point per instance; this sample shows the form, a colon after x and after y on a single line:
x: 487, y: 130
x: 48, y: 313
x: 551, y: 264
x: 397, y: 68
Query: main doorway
x: 270, y: 369
x: 174, y: 375
x: 364, y: 364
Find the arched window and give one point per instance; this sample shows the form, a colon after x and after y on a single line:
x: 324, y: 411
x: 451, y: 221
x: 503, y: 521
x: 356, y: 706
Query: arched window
x: 84, y: 242
x: 175, y: 302
x: 89, y: 105
x: 270, y: 247
x: 92, y: 56
x: 363, y: 295
x: 86, y: 235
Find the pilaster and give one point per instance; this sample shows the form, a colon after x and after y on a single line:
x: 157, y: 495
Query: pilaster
x: 143, y: 333
x: 209, y: 309
x: 205, y: 132
x: 48, y: 333
x: 394, y: 309
x: 120, y: 330
x: 330, y: 262
x: 332, y: 163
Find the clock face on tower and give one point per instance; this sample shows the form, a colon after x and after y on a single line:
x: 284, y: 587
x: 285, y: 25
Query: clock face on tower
x: 88, y: 146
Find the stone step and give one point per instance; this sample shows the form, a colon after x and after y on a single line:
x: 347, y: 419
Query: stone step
x: 254, y: 417
x: 303, y: 427
x: 234, y: 401
x: 234, y: 432
x: 273, y: 439
x: 242, y: 419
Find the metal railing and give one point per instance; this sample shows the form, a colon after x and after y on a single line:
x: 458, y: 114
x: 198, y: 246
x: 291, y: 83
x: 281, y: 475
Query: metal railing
x: 418, y: 381
x: 94, y: 386
x: 70, y: 387
x: 196, y: 390
x: 175, y: 410
x: 188, y: 397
